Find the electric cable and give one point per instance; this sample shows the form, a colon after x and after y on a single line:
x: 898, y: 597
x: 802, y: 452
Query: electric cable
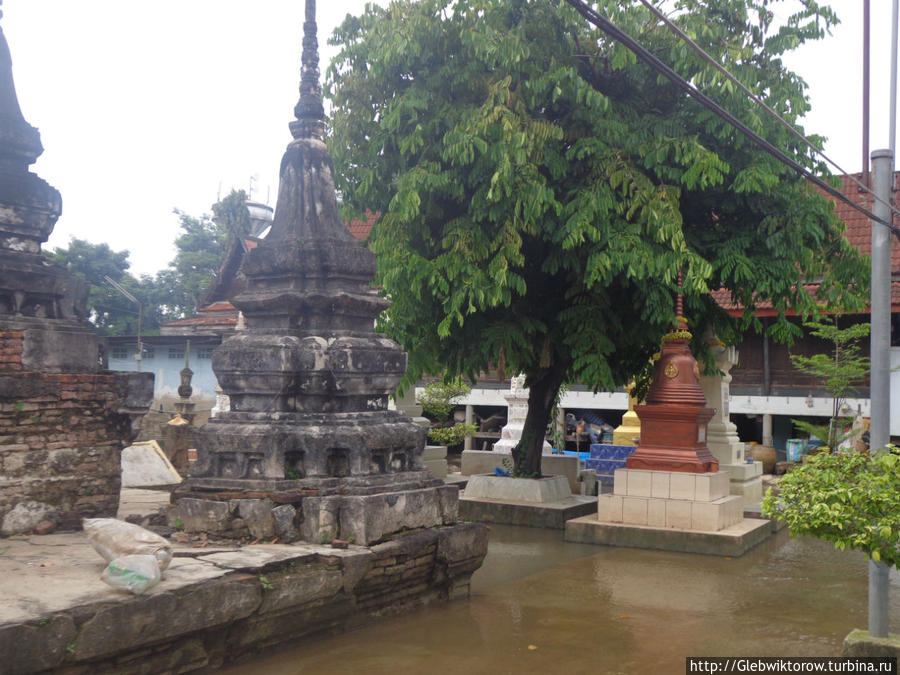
x: 653, y: 62
x: 787, y: 125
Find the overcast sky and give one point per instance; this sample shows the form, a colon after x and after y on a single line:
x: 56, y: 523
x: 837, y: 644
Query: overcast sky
x: 144, y: 107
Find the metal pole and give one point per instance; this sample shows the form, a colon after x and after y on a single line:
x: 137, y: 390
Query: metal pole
x: 865, y: 101
x: 892, y: 135
x: 880, y: 378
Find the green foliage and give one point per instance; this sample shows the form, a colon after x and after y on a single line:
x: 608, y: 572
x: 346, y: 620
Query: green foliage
x: 841, y: 371
x: 266, y: 584
x: 174, y: 292
x: 541, y: 189
x: 201, y: 248
x: 851, y: 499
x: 439, y: 398
x: 110, y: 311
x: 451, y: 436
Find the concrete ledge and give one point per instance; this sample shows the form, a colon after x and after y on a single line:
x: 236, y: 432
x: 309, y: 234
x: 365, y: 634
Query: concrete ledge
x: 214, y: 605
x: 551, y: 515
x: 508, y: 489
x: 732, y: 541
x: 485, y: 461
x: 860, y: 643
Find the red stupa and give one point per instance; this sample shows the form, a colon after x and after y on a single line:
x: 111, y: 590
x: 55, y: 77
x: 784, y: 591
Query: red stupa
x: 675, y: 415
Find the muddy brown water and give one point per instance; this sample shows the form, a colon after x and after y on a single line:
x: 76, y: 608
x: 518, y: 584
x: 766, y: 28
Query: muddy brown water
x: 542, y: 606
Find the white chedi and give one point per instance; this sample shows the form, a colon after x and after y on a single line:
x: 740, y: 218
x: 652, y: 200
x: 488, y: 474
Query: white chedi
x: 517, y: 411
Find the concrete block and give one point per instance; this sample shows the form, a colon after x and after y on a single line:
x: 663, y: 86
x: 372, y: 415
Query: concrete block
x: 860, y: 643
x: 678, y: 514
x: 609, y: 508
x: 534, y: 490
x: 634, y: 510
x: 656, y: 512
x: 434, y: 452
x: 476, y: 462
x: 682, y: 485
x: 706, y: 516
x: 620, y: 482
x: 740, y: 472
x: 145, y: 464
x: 710, y: 486
x: 639, y: 483
x: 659, y: 484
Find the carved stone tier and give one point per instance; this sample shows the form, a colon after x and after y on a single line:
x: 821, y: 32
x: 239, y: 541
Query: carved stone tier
x: 279, y: 446
x: 313, y: 373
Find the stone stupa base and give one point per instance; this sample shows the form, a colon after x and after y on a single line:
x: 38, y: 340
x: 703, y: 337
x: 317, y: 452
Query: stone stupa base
x: 361, y: 510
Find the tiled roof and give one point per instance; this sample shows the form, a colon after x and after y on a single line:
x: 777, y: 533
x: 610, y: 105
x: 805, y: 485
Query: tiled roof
x: 361, y: 228
x: 858, y: 233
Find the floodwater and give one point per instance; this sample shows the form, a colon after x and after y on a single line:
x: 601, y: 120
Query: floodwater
x: 542, y: 606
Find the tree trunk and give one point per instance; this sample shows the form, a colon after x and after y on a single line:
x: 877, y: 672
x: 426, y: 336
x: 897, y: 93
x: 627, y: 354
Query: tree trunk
x: 542, y: 390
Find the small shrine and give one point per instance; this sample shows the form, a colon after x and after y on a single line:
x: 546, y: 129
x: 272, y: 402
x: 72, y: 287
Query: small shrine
x: 674, y: 417
x: 517, y: 411
x: 672, y: 495
x: 309, y: 449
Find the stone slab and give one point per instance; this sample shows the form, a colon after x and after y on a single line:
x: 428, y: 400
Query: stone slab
x: 861, y: 643
x: 530, y: 490
x: 144, y: 464
x: 485, y: 461
x: 732, y: 541
x: 551, y: 515
x: 56, y: 614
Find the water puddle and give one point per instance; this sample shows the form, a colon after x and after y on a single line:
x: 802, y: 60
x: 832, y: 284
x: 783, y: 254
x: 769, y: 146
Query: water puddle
x: 542, y: 606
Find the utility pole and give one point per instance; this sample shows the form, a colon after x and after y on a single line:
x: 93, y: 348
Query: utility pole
x: 139, y: 354
x: 880, y: 378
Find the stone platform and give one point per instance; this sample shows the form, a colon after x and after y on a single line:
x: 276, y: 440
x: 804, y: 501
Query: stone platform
x: 543, y: 502
x: 215, y: 604
x: 671, y: 511
x: 732, y: 541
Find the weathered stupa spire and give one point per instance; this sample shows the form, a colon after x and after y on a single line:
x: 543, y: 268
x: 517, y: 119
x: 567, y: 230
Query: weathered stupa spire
x: 309, y: 379
x: 309, y: 110
x: 44, y: 299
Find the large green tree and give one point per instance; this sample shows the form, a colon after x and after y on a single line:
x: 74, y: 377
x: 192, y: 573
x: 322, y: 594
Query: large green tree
x: 200, y: 250
x: 110, y: 311
x: 172, y: 293
x: 542, y: 189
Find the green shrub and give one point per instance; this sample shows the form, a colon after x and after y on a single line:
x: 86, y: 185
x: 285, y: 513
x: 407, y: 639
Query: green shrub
x: 439, y: 399
x: 849, y: 498
x: 451, y: 436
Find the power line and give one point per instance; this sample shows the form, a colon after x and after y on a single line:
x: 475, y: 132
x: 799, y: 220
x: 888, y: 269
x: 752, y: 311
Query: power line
x: 787, y: 125
x: 644, y: 55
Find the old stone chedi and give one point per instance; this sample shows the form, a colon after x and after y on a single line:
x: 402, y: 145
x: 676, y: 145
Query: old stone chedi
x: 63, y: 421
x: 309, y: 431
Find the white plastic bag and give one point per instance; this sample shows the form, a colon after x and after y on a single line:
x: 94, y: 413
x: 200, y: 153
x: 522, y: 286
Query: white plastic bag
x: 113, y: 539
x: 135, y: 573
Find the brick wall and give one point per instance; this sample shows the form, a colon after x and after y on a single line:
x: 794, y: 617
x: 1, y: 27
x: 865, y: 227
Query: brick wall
x: 11, y: 345
x: 61, y: 436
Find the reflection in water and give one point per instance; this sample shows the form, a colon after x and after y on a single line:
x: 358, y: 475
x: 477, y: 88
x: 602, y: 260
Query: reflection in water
x: 591, y: 609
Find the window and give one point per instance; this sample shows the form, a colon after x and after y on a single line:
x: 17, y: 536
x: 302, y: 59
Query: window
x: 148, y: 352
x: 205, y: 352
x: 121, y: 352
x: 176, y: 352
